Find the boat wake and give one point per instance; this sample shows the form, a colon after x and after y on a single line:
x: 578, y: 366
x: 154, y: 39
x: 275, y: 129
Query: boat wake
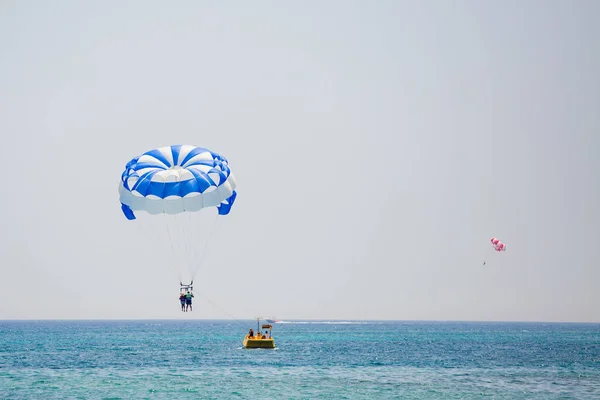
x: 325, y: 322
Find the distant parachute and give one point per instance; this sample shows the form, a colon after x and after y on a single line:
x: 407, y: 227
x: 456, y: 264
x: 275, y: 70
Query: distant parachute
x: 498, y: 245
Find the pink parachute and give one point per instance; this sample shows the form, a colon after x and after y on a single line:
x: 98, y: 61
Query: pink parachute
x: 498, y: 245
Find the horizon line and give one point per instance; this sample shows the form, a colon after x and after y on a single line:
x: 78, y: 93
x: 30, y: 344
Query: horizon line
x: 295, y: 320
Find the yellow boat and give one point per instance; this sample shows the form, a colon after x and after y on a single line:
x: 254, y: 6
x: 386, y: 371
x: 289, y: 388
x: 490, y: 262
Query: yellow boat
x: 260, y: 340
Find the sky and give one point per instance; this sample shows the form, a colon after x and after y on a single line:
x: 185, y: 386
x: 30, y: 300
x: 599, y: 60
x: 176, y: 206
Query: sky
x: 377, y: 147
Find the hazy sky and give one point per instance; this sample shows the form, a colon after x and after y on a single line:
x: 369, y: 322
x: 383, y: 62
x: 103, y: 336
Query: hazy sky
x: 377, y: 146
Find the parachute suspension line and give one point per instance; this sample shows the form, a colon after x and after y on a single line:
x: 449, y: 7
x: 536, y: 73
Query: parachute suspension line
x: 176, y: 258
x: 195, y: 233
x: 183, y: 237
x: 186, y: 233
x: 182, y: 220
x: 202, y: 255
x: 199, y: 230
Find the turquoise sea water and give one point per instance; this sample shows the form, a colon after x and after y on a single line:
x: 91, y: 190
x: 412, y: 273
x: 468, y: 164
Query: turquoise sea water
x: 313, y: 359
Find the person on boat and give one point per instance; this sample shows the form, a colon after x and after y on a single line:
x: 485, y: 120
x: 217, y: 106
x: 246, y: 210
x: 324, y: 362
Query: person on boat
x: 251, y: 333
x: 266, y: 334
x: 188, y: 300
x: 182, y: 301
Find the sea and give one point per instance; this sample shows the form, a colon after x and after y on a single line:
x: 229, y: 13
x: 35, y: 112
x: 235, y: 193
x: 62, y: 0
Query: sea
x: 202, y: 359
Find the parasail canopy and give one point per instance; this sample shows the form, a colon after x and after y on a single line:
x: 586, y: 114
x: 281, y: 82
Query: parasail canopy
x: 497, y: 244
x: 180, y: 188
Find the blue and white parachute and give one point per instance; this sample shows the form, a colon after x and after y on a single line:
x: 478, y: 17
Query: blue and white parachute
x: 181, y: 187
x: 176, y: 179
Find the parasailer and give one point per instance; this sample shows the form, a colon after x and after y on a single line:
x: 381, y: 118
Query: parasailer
x: 180, y: 188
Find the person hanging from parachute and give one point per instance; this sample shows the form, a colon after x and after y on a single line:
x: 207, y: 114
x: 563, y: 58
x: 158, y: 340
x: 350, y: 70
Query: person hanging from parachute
x: 497, y: 245
x: 182, y: 300
x: 188, y: 300
x: 178, y: 186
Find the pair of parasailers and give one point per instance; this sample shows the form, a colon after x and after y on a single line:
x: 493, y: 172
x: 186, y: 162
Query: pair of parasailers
x: 185, y: 298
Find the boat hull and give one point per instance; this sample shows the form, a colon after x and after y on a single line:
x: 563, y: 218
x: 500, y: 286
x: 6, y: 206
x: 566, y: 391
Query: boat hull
x: 256, y: 343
